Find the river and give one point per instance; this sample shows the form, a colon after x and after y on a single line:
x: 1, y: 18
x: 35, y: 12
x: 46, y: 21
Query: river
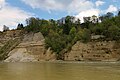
x: 60, y: 71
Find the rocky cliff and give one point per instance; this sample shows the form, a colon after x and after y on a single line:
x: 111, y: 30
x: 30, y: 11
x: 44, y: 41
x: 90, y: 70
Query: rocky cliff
x: 16, y: 46
x: 94, y: 51
x: 30, y: 49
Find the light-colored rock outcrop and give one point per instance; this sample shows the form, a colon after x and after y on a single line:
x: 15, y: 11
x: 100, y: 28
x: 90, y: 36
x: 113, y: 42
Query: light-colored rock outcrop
x: 31, y: 49
x: 19, y: 55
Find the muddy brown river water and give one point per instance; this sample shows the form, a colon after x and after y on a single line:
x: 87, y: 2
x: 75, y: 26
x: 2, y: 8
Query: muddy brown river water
x: 60, y: 71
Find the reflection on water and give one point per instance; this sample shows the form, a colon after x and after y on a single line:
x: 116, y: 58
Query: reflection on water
x: 60, y: 71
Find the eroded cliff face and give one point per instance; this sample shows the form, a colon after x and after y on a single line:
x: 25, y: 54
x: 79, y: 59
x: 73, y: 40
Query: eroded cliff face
x: 8, y: 41
x: 8, y: 35
x: 31, y: 48
x: 94, y: 51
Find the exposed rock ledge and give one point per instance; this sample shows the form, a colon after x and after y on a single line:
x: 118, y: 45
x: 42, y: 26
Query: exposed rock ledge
x: 94, y: 51
x: 31, y: 49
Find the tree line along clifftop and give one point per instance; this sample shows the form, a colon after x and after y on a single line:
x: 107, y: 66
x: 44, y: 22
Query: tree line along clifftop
x: 61, y: 35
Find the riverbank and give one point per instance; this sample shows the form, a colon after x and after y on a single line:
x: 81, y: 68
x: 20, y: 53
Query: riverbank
x: 31, y: 48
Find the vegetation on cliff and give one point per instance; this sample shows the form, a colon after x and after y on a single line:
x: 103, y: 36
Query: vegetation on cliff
x: 63, y: 34
x: 9, y: 45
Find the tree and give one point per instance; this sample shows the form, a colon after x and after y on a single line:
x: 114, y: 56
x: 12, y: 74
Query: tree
x: 114, y: 32
x: 53, y: 22
x: 5, y: 28
x: 77, y: 22
x: 87, y: 19
x: 72, y: 32
x: 56, y: 42
x: 20, y: 26
x: 101, y: 18
x: 118, y: 13
x: 94, y: 19
x: 69, y: 20
x: 109, y: 15
x: 33, y: 24
x: 83, y: 35
x: 45, y: 27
